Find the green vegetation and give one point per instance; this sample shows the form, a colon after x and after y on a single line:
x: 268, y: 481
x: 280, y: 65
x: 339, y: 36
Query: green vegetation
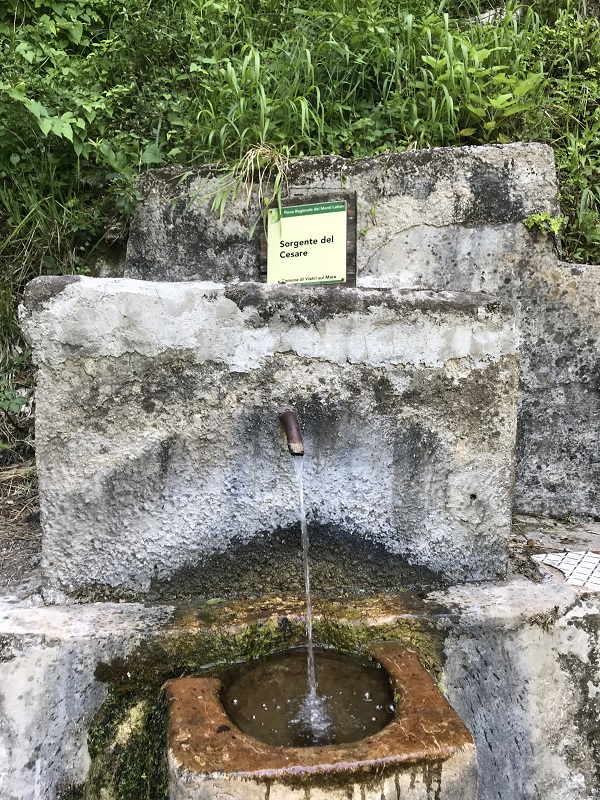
x: 545, y: 223
x: 128, y: 745
x: 94, y: 91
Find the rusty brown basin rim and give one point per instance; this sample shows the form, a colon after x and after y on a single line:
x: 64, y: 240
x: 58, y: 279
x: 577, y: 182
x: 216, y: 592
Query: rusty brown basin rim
x: 203, y: 740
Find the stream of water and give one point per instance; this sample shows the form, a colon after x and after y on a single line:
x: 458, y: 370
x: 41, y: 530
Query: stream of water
x: 313, y: 712
x: 312, y: 698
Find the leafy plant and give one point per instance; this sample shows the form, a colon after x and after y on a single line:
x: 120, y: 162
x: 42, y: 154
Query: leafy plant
x: 9, y: 399
x: 92, y: 92
x: 545, y: 223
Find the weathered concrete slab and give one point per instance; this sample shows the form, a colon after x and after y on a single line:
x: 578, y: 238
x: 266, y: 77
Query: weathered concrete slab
x: 421, y: 214
x: 445, y: 218
x: 521, y: 669
x: 559, y: 447
x: 524, y: 674
x: 49, y: 693
x: 158, y: 441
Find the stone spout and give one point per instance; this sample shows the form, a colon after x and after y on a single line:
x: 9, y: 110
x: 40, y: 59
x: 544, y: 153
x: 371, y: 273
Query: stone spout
x: 291, y: 427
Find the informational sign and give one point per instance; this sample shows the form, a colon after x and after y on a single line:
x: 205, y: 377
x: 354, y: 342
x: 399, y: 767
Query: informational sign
x: 307, y: 244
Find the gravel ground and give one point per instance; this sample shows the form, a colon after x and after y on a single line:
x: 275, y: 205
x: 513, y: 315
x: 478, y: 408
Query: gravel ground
x: 20, y: 532
x: 20, y: 552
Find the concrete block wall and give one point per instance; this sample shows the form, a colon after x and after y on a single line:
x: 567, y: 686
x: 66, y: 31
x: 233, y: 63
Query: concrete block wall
x: 158, y: 440
x: 444, y: 218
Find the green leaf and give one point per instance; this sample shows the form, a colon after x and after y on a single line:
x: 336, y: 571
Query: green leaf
x: 479, y: 112
x: 25, y: 50
x: 501, y: 101
x: 62, y: 128
x: 526, y: 86
x: 45, y: 124
x: 152, y: 155
x: 516, y: 109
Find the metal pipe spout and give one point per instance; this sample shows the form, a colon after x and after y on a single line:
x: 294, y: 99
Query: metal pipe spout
x: 291, y: 427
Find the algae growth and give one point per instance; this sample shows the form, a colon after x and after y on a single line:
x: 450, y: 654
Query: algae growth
x: 127, y: 741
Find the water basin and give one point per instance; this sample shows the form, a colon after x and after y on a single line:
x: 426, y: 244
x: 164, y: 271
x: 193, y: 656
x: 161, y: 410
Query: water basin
x: 424, y: 752
x: 266, y: 699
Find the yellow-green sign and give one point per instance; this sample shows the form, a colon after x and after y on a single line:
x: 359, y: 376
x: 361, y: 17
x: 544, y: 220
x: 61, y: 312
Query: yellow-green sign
x: 307, y: 243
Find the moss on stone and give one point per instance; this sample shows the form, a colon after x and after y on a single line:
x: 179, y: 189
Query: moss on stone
x: 71, y: 793
x: 185, y: 652
x: 128, y: 747
x: 417, y: 635
x: 127, y: 740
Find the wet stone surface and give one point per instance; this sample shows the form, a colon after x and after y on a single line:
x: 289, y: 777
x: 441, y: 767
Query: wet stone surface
x: 341, y: 565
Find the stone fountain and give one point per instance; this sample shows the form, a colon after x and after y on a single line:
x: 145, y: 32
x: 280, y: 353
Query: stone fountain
x: 169, y: 511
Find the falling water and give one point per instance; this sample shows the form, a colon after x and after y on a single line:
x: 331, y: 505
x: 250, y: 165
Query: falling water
x: 312, y: 712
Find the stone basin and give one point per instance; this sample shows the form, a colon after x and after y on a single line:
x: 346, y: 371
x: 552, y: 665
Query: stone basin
x: 425, y: 752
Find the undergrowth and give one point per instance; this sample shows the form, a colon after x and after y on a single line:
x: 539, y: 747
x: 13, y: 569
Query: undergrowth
x: 94, y: 91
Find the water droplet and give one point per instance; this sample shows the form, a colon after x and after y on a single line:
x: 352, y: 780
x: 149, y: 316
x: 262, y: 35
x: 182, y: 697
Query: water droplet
x: 367, y: 695
x: 378, y: 708
x: 235, y: 702
x: 253, y: 716
x: 391, y: 708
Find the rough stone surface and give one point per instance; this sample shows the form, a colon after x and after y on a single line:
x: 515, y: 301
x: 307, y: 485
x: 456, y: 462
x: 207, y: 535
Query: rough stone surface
x: 559, y: 449
x: 521, y: 669
x: 453, y: 779
x: 421, y: 210
x: 158, y: 441
x: 446, y: 218
x: 49, y: 694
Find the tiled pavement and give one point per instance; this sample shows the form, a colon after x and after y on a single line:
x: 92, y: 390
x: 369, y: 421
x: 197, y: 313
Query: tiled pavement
x: 581, y: 569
